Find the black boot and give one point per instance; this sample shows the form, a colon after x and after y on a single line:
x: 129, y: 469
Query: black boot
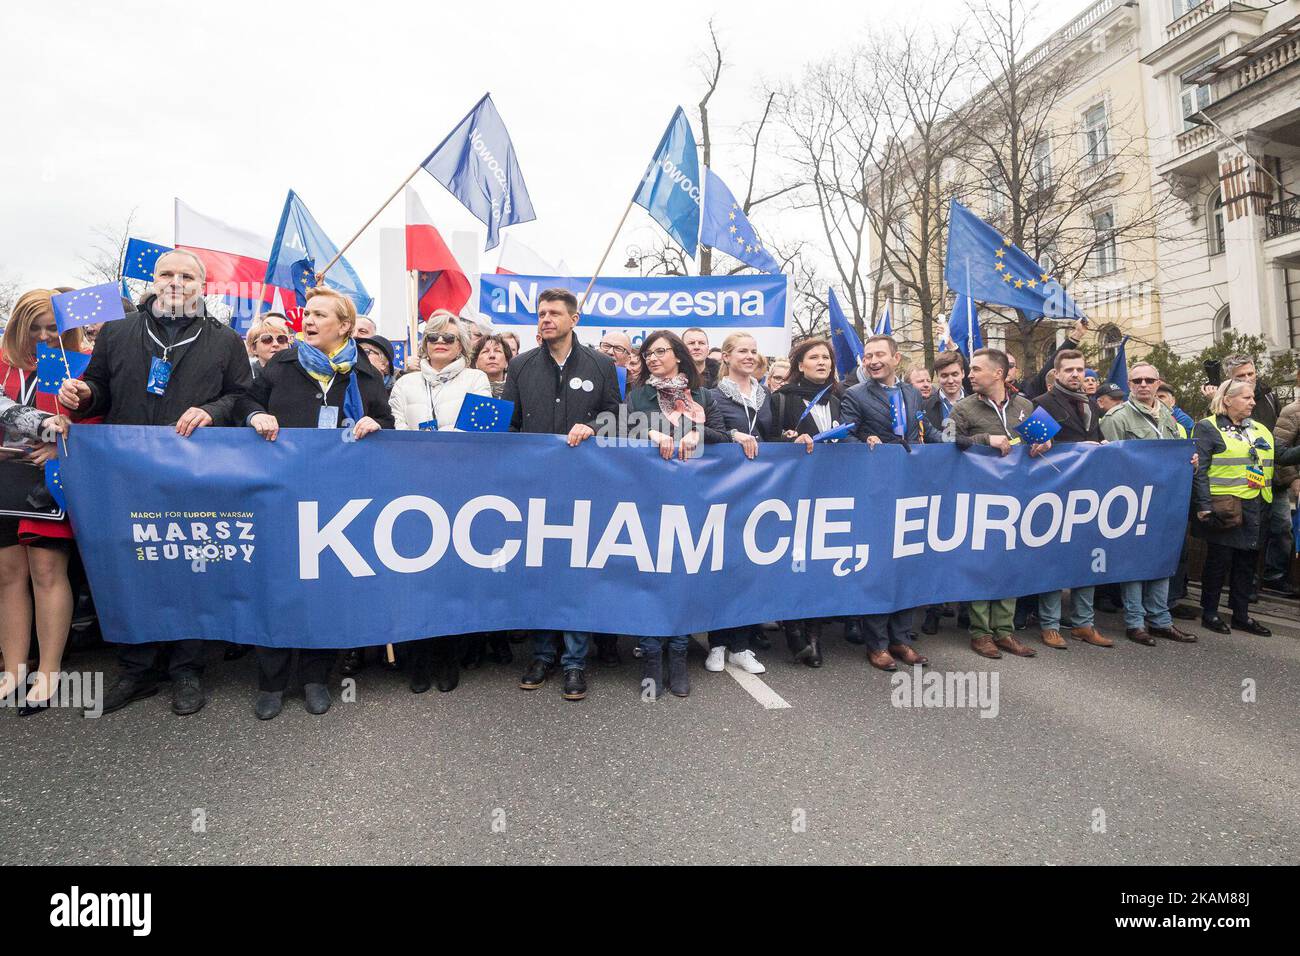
x: 499, y: 649
x: 420, y: 665
x: 652, y: 676
x: 814, y: 634
x: 758, y: 639
x: 446, y: 663
x: 853, y: 631
x: 352, y: 661
x: 931, y: 623
x: 475, y: 649
x: 798, y: 643
x: 679, y: 678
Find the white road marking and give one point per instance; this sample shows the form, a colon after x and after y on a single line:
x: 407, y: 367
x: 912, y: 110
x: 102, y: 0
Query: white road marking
x: 752, y: 683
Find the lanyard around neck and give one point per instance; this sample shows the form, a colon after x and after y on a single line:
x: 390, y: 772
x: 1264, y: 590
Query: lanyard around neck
x: 167, y: 349
x: 1001, y: 412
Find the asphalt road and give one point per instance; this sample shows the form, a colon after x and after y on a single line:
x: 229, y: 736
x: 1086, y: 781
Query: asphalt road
x: 1157, y: 739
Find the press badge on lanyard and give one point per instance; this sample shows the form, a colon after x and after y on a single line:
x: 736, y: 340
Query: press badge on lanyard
x: 160, y: 369
x: 160, y: 373
x: 1255, y: 475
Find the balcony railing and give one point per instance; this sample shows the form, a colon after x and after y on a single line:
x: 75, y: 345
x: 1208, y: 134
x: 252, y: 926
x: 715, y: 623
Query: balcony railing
x: 1192, y: 17
x: 1194, y: 139
x: 1071, y: 31
x: 1282, y: 218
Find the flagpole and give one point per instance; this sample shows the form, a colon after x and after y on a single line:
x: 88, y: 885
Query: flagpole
x: 357, y: 235
x: 609, y: 248
x: 413, y: 309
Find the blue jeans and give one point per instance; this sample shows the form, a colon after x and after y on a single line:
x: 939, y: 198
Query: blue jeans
x: 655, y: 645
x: 1049, y: 609
x: 1147, y: 601
x: 576, y: 644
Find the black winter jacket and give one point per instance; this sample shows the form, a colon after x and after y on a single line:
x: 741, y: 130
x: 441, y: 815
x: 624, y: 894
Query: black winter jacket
x: 550, y: 400
x: 285, y: 390
x: 210, y: 373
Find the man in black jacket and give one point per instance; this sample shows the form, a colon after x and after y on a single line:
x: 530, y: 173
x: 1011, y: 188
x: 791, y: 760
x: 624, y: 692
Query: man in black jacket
x: 1080, y: 421
x: 560, y: 388
x: 167, y: 363
x: 886, y: 411
x: 949, y: 371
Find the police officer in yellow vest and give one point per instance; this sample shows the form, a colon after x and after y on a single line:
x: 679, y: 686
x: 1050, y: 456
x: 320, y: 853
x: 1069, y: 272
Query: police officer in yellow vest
x: 1231, y: 493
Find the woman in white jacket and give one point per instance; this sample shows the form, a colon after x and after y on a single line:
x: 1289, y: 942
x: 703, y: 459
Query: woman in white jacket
x: 438, y: 389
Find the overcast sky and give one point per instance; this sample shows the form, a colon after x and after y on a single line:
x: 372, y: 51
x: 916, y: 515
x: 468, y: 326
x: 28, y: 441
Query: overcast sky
x: 113, y: 106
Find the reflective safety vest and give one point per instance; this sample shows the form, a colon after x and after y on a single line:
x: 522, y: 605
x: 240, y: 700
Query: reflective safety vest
x: 1233, y: 471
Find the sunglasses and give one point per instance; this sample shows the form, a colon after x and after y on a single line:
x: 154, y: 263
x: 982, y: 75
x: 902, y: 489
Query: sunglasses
x: 1144, y: 381
x: 268, y: 338
x: 445, y: 338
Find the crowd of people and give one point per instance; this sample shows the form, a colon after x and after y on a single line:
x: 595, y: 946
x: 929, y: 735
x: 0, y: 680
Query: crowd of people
x: 169, y: 363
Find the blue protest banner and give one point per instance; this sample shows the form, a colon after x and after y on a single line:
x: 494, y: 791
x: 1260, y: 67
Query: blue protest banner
x: 310, y: 541
x: 720, y: 305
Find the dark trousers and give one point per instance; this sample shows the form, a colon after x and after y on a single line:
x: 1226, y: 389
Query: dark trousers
x: 881, y: 630
x: 141, y: 662
x: 734, y: 639
x: 1178, y: 583
x: 433, y: 654
x: 274, y: 665
x: 1238, y: 568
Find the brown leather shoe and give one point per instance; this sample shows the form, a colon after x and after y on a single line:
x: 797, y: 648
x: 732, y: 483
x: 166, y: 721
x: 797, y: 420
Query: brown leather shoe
x: 1139, y: 635
x: 983, y: 646
x: 1172, y: 633
x: 907, y: 654
x: 1054, y: 639
x: 1090, y: 635
x: 881, y: 660
x: 1013, y: 646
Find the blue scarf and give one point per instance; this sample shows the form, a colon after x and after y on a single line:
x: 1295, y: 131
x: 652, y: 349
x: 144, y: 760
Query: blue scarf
x: 323, y: 367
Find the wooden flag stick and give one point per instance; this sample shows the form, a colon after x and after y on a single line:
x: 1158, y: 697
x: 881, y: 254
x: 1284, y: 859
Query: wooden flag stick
x: 357, y: 235
x: 413, y: 311
x: 389, y: 655
x: 612, y: 239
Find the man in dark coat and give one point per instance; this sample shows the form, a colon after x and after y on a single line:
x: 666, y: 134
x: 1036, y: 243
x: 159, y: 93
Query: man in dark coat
x: 886, y: 411
x: 1080, y: 421
x: 560, y: 388
x: 167, y: 363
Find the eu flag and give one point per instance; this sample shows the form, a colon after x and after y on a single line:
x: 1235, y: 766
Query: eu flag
x: 300, y: 240
x: 140, y: 258
x: 1119, y: 368
x: 964, y: 327
x: 481, y: 414
x: 844, y: 338
x: 399, y: 356
x: 1039, y: 427
x: 50, y: 370
x: 98, y: 303
x: 886, y: 324
x: 670, y: 188
x: 988, y: 268
x: 477, y: 163
x: 726, y: 228
x: 54, y: 483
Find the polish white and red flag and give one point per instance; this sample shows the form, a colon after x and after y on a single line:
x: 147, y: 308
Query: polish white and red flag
x: 442, y: 282
x: 517, y: 259
x: 235, y: 258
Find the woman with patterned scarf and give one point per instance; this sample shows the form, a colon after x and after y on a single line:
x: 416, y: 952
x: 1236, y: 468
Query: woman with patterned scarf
x: 325, y: 381
x: 682, y: 415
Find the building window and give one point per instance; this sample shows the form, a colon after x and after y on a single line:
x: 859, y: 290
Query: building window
x: 1193, y: 99
x: 1096, y: 141
x: 1040, y: 163
x: 997, y: 198
x: 1104, y: 260
x: 1214, y: 222
x: 1185, y: 6
x: 1222, y: 323
x: 900, y: 236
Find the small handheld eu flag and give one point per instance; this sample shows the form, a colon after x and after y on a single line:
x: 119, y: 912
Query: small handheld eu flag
x: 1038, y: 428
x: 50, y: 370
x: 481, y: 414
x: 54, y: 483
x: 98, y: 303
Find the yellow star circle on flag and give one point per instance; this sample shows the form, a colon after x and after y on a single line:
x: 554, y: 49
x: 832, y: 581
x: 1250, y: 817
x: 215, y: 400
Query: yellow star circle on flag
x: 1006, y: 277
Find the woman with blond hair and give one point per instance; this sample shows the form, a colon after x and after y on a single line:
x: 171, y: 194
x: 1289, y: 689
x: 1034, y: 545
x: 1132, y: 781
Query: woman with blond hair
x: 267, y: 337
x: 34, y: 553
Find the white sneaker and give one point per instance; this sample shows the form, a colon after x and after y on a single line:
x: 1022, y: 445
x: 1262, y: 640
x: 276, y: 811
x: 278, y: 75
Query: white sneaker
x: 747, y: 662
x: 716, y: 660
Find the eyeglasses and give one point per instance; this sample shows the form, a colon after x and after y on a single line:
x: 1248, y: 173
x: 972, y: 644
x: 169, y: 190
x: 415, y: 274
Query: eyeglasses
x: 268, y: 338
x: 1144, y: 381
x: 609, y: 347
x: 658, y: 353
x: 446, y: 338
